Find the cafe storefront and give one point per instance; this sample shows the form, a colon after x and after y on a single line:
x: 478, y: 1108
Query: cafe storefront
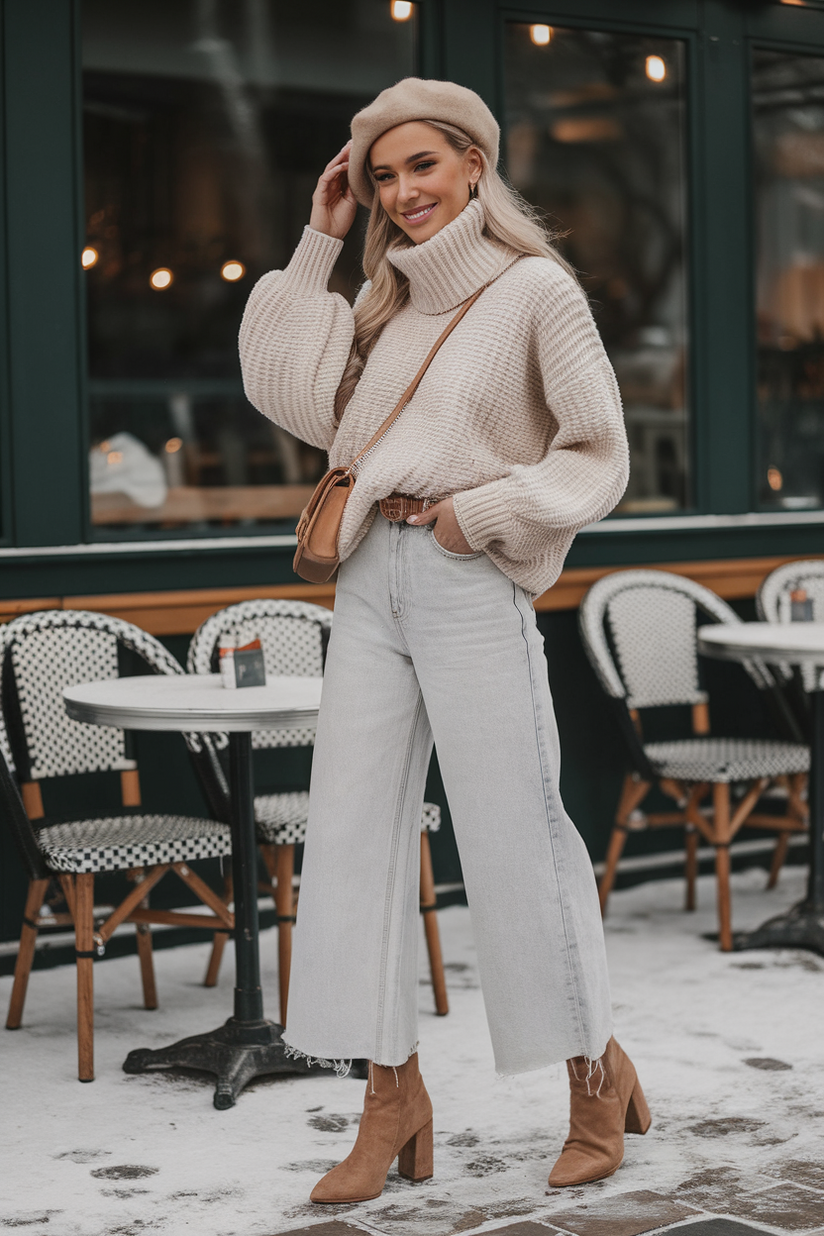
x: 160, y: 156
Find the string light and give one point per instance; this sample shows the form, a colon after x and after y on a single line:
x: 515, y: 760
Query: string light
x: 401, y: 10
x: 656, y: 69
x: 114, y: 457
x: 173, y: 445
x: 89, y: 257
x: 161, y: 278
x: 232, y: 271
x: 540, y: 35
x: 774, y: 479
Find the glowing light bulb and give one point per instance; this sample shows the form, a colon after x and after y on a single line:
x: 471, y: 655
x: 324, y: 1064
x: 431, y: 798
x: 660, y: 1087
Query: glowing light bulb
x: 401, y: 10
x: 114, y: 457
x: 161, y: 278
x: 656, y: 69
x: 774, y: 479
x: 540, y: 35
x: 232, y: 271
x: 89, y: 257
x: 174, y: 445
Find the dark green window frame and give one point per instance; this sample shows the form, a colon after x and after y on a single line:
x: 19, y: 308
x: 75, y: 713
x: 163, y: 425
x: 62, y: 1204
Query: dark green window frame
x: 6, y: 525
x: 44, y: 500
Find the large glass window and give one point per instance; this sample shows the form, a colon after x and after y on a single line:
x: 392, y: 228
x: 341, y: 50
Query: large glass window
x: 788, y: 122
x: 595, y: 129
x: 206, y: 125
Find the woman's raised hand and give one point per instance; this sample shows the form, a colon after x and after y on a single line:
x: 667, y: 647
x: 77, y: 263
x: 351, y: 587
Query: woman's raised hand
x: 333, y: 202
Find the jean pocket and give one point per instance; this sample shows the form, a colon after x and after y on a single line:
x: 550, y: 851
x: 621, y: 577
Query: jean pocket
x: 447, y: 553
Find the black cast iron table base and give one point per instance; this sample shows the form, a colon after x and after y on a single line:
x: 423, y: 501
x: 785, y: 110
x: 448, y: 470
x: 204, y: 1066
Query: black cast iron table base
x: 803, y: 925
x: 247, y: 1045
x: 800, y: 927
x: 237, y: 1051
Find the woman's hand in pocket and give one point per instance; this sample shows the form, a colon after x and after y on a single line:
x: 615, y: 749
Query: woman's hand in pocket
x: 447, y: 530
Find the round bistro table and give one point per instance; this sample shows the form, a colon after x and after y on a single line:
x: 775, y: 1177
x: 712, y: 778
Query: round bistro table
x: 793, y: 643
x: 248, y: 1044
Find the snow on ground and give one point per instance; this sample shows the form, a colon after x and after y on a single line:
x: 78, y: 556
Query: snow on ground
x: 128, y: 1155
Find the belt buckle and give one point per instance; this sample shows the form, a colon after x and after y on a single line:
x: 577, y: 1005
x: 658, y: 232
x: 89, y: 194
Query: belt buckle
x: 394, y: 509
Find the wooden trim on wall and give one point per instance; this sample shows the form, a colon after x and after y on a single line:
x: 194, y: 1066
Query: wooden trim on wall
x: 730, y: 578
x: 181, y: 613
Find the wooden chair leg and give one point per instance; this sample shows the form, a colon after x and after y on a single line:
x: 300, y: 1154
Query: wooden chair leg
x: 779, y: 855
x: 721, y: 839
x: 84, y: 944
x: 797, y: 809
x: 25, y: 952
x: 220, y: 938
x: 219, y: 942
x: 691, y: 867
x: 144, y: 953
x: 285, y: 905
x: 633, y: 792
x: 268, y: 854
x: 430, y: 927
x: 617, y: 841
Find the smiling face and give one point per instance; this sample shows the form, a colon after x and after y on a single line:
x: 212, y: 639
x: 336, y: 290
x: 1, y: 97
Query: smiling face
x: 423, y: 182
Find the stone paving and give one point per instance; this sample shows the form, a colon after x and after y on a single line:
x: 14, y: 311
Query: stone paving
x: 728, y: 1047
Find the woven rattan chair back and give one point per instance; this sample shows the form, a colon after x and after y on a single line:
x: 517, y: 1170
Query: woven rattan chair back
x: 47, y: 651
x: 774, y: 602
x: 5, y: 747
x: 294, y: 636
x: 19, y: 825
x: 639, y: 631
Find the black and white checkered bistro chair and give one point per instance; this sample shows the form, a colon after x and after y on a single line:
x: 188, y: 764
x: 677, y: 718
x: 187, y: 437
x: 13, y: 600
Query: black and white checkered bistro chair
x: 43, y: 653
x: 294, y: 636
x: 639, y: 632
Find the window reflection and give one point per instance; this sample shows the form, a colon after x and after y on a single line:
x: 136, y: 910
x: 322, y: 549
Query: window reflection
x: 206, y: 124
x: 788, y: 107
x: 594, y: 138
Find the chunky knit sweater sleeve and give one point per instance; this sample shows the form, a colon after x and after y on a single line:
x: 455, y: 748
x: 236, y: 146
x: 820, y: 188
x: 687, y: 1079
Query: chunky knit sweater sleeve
x: 585, y: 470
x: 295, y: 340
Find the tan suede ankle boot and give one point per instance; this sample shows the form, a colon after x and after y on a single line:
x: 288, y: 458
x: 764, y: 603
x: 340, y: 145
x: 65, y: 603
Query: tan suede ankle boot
x: 396, y: 1123
x: 604, y: 1103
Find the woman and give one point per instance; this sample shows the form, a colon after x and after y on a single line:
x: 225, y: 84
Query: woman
x: 513, y: 441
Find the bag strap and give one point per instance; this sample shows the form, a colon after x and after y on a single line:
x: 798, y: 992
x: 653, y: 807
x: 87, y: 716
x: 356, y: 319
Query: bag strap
x: 415, y: 383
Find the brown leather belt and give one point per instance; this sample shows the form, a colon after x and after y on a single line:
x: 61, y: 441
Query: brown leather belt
x: 400, y: 506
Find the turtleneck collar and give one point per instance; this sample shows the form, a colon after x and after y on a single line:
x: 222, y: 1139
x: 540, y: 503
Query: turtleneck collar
x: 446, y: 269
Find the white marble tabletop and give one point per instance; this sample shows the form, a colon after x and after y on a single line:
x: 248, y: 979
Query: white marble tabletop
x: 194, y: 703
x: 798, y: 643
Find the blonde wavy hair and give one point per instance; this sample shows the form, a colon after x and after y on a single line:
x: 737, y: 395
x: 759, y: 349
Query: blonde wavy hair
x: 508, y: 218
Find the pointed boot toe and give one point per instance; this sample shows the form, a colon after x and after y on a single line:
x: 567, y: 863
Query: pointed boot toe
x: 346, y: 1183
x: 581, y: 1166
x: 396, y: 1124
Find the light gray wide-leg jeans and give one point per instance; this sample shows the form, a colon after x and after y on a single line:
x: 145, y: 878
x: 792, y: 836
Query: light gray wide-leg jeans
x: 427, y: 644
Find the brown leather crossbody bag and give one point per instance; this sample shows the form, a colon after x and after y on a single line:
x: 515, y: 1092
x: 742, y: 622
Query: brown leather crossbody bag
x: 318, y: 531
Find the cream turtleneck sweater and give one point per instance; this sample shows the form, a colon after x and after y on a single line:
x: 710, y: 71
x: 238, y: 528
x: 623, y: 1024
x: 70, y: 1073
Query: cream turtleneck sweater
x: 519, y: 415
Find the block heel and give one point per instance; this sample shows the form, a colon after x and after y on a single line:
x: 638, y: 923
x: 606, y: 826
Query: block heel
x: 638, y: 1118
x: 415, y: 1159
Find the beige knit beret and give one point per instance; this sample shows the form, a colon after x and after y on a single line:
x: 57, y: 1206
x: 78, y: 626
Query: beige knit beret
x: 417, y: 99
